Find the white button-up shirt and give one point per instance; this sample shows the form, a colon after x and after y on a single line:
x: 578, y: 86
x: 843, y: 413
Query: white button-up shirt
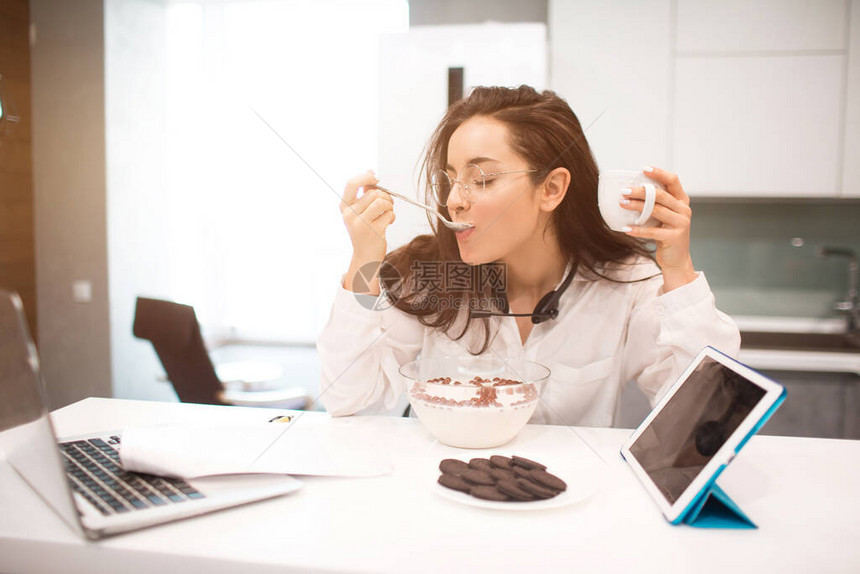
x: 605, y: 335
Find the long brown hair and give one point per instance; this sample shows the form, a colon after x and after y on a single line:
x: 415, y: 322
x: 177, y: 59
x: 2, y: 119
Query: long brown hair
x: 545, y: 132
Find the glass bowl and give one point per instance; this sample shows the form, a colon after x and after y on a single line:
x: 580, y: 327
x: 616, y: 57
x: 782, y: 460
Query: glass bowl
x: 474, y: 402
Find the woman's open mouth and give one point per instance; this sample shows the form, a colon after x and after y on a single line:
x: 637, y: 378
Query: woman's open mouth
x: 463, y: 235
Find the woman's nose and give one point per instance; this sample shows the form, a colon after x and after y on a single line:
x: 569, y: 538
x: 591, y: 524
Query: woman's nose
x: 456, y: 198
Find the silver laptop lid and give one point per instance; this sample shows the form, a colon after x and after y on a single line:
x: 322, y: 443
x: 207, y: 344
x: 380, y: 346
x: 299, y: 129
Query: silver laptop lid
x: 26, y: 435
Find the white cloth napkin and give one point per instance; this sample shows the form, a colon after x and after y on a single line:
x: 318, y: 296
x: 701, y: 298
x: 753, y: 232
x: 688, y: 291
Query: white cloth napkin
x: 329, y: 447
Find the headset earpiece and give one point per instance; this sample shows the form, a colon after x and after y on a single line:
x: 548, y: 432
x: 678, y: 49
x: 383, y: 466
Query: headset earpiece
x: 547, y: 308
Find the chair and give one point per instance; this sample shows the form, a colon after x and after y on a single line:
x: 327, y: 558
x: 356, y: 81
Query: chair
x: 174, y: 332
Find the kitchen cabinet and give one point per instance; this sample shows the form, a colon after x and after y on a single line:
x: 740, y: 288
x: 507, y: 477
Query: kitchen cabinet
x: 633, y: 407
x: 851, y: 153
x: 759, y: 92
x: 724, y: 26
x: 818, y: 405
x: 762, y: 126
x: 743, y: 98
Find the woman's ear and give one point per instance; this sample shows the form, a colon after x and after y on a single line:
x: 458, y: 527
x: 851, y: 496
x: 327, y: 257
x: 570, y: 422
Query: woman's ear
x: 554, y: 188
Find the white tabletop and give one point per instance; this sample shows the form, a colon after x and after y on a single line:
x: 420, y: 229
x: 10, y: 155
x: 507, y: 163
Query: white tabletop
x: 802, y: 493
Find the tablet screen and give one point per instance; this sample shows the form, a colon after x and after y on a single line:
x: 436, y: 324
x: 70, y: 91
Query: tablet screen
x: 693, y: 425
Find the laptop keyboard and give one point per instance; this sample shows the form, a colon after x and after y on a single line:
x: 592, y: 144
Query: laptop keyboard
x: 94, y: 471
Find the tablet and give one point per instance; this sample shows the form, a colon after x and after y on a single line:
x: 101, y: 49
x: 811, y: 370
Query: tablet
x: 696, y: 429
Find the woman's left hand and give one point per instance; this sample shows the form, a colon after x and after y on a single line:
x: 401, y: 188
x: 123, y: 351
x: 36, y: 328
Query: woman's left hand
x: 672, y: 210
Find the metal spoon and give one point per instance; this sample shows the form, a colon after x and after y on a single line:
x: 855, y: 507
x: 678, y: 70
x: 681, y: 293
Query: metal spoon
x: 456, y: 226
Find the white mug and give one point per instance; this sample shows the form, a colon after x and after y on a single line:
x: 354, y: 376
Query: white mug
x: 609, y: 196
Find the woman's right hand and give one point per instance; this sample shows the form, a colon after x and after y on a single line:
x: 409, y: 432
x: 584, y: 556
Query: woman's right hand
x: 366, y: 218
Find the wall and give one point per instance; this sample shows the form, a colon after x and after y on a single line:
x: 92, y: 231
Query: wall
x: 69, y: 186
x: 17, y: 248
x: 135, y: 46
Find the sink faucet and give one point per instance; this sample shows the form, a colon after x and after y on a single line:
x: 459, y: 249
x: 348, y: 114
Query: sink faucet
x: 851, y: 304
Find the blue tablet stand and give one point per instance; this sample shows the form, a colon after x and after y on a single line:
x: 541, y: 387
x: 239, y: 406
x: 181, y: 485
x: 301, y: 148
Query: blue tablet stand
x: 714, y: 509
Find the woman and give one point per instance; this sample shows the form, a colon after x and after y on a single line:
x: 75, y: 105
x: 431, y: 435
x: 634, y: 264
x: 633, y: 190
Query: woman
x: 515, y: 164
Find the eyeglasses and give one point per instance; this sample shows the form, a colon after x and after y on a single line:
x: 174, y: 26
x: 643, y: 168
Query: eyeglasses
x: 474, y: 183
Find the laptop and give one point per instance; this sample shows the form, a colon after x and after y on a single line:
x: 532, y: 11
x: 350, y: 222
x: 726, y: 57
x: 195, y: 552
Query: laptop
x: 81, y: 478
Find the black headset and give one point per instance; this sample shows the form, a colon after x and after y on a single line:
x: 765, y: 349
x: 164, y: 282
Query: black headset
x: 547, y: 307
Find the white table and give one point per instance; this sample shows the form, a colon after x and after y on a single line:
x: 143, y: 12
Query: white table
x: 803, y: 493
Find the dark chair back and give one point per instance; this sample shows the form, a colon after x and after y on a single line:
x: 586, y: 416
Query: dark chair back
x: 174, y: 332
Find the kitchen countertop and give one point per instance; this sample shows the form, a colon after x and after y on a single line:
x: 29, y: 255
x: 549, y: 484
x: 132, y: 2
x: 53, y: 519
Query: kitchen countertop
x: 795, y: 359
x: 789, y: 324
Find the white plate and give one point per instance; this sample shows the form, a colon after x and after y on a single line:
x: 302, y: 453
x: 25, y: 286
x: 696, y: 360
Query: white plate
x: 580, y: 486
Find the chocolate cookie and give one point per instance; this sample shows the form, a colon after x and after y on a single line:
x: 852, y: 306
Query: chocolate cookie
x: 501, y: 462
x: 521, y: 472
x: 548, y: 480
x: 535, y: 489
x: 480, y: 464
x: 528, y: 464
x: 501, y: 479
x: 479, y: 477
x: 502, y: 474
x: 513, y: 490
x: 454, y: 483
x: 453, y: 466
x: 488, y: 493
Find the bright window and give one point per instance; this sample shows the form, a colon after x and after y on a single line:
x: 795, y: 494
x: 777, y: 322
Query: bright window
x: 258, y: 241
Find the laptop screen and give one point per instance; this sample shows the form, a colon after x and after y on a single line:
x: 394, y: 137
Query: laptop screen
x: 26, y: 435
x: 693, y: 425
x: 20, y: 400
